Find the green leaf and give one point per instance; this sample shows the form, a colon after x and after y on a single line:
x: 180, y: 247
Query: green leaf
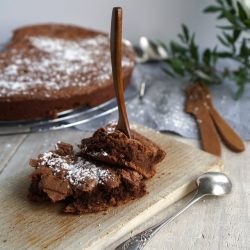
x: 228, y: 27
x: 215, y: 55
x: 220, y: 2
x: 182, y: 38
x: 194, y: 49
x: 177, y: 66
x: 229, y: 38
x: 221, y: 39
x: 230, y: 3
x: 236, y: 34
x: 224, y: 54
x: 240, y: 91
x: 230, y: 17
x: 244, y: 51
x: 212, y: 9
x: 242, y: 12
x: 203, y: 75
x: 207, y: 57
x: 247, y: 23
x: 168, y: 72
x: 221, y: 16
x: 177, y: 48
x: 185, y: 32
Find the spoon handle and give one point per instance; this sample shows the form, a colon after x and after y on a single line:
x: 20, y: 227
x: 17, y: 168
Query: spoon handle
x: 140, y: 240
x: 116, y: 59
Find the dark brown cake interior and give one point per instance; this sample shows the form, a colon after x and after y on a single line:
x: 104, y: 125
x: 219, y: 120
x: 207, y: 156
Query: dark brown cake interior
x: 114, y: 147
x: 86, y: 186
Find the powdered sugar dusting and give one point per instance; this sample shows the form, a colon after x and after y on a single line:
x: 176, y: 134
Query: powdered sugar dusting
x: 76, y: 172
x: 60, y: 64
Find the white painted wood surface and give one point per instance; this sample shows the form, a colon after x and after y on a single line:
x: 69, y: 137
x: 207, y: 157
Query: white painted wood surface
x: 213, y: 224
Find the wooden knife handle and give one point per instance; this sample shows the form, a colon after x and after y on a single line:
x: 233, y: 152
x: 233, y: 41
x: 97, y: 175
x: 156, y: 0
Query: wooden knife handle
x: 229, y: 136
x: 209, y: 136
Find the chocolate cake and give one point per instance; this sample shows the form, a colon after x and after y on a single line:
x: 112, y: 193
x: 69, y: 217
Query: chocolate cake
x: 114, y: 147
x: 85, y: 186
x: 45, y: 69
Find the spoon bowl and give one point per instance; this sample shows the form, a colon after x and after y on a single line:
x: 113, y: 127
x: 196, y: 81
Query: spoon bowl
x: 150, y: 51
x: 214, y: 183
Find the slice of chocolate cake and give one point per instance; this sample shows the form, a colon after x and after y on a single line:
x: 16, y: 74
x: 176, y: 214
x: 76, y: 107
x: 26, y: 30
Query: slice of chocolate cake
x: 114, y: 147
x: 45, y: 69
x: 85, y: 186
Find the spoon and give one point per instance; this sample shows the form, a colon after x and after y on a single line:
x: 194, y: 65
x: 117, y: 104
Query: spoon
x: 116, y: 60
x: 150, y: 51
x: 211, y: 183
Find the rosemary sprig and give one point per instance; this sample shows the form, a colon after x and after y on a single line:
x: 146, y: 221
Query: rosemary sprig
x: 187, y: 60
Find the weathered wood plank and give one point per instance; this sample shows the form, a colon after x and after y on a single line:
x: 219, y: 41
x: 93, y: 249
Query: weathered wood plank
x: 8, y: 147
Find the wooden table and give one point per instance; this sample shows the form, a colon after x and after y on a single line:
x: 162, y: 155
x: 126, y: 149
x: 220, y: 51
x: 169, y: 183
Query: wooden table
x: 222, y: 223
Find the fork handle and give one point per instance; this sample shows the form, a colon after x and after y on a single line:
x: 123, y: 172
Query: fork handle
x: 209, y: 136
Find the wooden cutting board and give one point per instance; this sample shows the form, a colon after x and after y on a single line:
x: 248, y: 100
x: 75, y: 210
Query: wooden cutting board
x: 25, y: 225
